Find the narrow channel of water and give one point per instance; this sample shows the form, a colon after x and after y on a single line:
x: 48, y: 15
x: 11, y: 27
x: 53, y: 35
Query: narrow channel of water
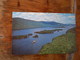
x: 25, y: 46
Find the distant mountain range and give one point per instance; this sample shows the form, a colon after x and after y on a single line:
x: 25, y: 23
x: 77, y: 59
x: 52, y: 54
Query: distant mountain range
x: 20, y: 23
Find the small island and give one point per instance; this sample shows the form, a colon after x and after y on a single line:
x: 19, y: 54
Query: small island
x: 22, y: 36
x: 30, y: 34
x: 36, y: 36
x: 48, y: 31
x: 61, y: 44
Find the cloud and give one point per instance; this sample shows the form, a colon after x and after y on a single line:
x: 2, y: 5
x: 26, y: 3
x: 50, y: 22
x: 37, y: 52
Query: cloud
x: 71, y: 16
x: 57, y: 17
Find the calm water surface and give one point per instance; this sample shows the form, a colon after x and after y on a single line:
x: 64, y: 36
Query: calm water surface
x: 25, y: 46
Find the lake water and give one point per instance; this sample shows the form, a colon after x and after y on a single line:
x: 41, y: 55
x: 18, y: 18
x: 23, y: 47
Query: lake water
x: 25, y: 46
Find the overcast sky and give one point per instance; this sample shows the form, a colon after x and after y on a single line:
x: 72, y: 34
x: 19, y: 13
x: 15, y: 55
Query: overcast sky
x: 65, y: 18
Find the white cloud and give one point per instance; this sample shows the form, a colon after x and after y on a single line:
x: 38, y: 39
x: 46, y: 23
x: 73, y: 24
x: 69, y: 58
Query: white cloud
x: 71, y: 16
x: 57, y: 17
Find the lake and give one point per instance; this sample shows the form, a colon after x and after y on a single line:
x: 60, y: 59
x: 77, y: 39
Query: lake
x: 25, y: 46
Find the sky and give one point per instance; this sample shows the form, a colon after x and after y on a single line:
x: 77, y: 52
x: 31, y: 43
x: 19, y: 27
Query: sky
x: 65, y: 18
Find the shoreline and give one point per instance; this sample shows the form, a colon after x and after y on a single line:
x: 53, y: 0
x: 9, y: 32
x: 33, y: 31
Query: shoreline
x: 34, y: 28
x: 61, y: 44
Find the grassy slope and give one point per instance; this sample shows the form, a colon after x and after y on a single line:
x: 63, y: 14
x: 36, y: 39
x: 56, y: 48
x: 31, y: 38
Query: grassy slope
x: 62, y: 44
x: 19, y: 23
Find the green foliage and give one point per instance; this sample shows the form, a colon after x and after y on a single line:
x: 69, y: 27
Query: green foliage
x: 20, y: 37
x: 48, y: 31
x: 19, y: 23
x: 61, y: 44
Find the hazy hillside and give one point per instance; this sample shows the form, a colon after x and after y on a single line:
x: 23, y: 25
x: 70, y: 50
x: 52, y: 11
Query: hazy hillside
x: 55, y: 24
x: 19, y: 23
x: 58, y: 24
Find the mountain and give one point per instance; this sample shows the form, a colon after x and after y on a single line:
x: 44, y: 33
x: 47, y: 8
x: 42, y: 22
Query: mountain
x: 51, y: 23
x: 20, y: 23
x: 56, y: 24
